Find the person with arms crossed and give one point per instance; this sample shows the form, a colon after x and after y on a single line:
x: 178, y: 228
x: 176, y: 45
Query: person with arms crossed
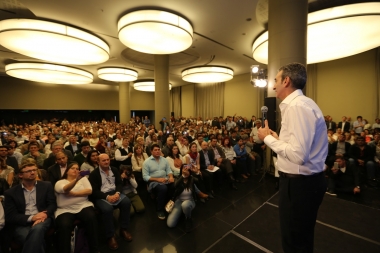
x: 301, y: 152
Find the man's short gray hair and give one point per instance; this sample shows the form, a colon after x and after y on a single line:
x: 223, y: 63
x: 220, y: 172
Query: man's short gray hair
x: 297, y: 74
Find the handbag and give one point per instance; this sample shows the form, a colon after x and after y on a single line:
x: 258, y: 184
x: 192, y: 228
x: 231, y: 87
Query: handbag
x: 169, y: 206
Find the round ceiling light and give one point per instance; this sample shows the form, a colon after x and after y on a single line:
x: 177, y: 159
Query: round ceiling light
x: 116, y: 74
x: 207, y: 74
x: 146, y: 85
x: 334, y: 33
x: 52, y: 42
x: 48, y: 73
x: 155, y: 32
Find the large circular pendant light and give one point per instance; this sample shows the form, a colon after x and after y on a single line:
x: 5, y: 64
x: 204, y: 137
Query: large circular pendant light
x: 155, y: 32
x: 207, y: 74
x: 147, y: 85
x: 48, y: 73
x: 116, y: 74
x: 52, y: 42
x: 334, y: 33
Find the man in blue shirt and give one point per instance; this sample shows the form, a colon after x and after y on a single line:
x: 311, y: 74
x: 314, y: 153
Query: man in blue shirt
x: 157, y: 173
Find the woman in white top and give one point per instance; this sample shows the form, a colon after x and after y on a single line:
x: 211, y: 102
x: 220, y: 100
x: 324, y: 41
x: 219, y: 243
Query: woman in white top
x: 183, y: 145
x: 91, y: 161
x: 175, y: 160
x: 94, y: 140
x: 72, y: 204
x: 138, y: 158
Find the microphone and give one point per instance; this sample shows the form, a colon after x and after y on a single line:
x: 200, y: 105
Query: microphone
x: 264, y: 111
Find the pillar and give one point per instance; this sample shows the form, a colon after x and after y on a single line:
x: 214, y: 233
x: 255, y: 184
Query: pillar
x: 161, y: 95
x: 124, y: 103
x: 287, y: 41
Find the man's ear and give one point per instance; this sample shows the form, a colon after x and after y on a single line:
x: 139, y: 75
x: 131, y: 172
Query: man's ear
x: 287, y: 81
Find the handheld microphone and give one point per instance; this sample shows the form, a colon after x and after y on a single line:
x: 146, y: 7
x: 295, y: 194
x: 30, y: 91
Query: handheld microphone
x: 264, y: 111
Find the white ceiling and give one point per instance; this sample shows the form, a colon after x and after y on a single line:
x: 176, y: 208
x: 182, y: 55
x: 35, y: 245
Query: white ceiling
x: 224, y: 30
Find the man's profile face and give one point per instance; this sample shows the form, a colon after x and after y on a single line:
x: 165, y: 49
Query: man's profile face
x: 204, y: 145
x: 279, y: 86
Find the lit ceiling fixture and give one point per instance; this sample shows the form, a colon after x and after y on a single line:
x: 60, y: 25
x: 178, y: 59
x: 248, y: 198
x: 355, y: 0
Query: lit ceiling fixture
x: 334, y: 33
x: 255, y: 69
x: 52, y: 42
x: 116, y: 74
x: 207, y: 74
x: 48, y: 73
x: 259, y: 77
x: 146, y: 85
x: 155, y: 32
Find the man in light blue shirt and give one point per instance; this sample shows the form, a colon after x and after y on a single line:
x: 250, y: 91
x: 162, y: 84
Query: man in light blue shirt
x: 157, y: 173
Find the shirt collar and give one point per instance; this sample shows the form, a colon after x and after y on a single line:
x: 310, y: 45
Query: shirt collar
x: 23, y: 187
x: 290, y: 98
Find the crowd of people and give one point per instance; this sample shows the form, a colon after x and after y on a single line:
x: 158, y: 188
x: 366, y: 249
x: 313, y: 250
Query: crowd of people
x: 54, y: 174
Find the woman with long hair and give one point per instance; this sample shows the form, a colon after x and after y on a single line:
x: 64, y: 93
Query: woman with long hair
x: 91, y: 161
x: 184, y: 199
x: 138, y: 158
x: 72, y: 193
x: 175, y: 160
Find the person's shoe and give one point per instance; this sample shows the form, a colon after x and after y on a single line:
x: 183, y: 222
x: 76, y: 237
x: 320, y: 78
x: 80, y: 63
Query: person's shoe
x: 233, y: 186
x: 210, y: 195
x: 126, y: 235
x: 202, y: 200
x: 202, y: 195
x: 112, y: 243
x: 331, y: 193
x: 188, y: 225
x: 244, y: 176
x: 161, y: 215
x: 231, y: 177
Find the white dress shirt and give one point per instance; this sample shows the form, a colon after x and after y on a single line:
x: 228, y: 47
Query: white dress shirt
x: 302, y: 146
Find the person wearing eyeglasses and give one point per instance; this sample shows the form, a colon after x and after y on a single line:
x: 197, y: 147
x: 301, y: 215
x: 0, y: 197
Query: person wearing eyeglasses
x: 29, y: 209
x: 107, y: 194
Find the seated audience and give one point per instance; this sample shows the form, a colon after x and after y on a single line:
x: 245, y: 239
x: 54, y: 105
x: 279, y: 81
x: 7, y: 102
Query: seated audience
x: 35, y: 154
x: 185, y: 192
x: 107, y: 195
x: 362, y: 156
x: 81, y: 157
x: 56, y: 171
x: 6, y: 172
x: 72, y: 193
x: 91, y: 162
x: 73, y: 146
x: 159, y: 177
x: 29, y: 220
x: 130, y: 189
x: 93, y: 140
x: 222, y: 162
x: 138, y: 158
x: 175, y: 160
x: 56, y: 148
x: 123, y: 155
x: 343, y: 178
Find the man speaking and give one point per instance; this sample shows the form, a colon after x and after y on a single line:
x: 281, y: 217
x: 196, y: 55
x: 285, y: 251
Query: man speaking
x: 301, y: 152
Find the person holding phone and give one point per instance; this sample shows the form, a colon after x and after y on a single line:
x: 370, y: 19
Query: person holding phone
x: 129, y: 189
x: 72, y: 193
